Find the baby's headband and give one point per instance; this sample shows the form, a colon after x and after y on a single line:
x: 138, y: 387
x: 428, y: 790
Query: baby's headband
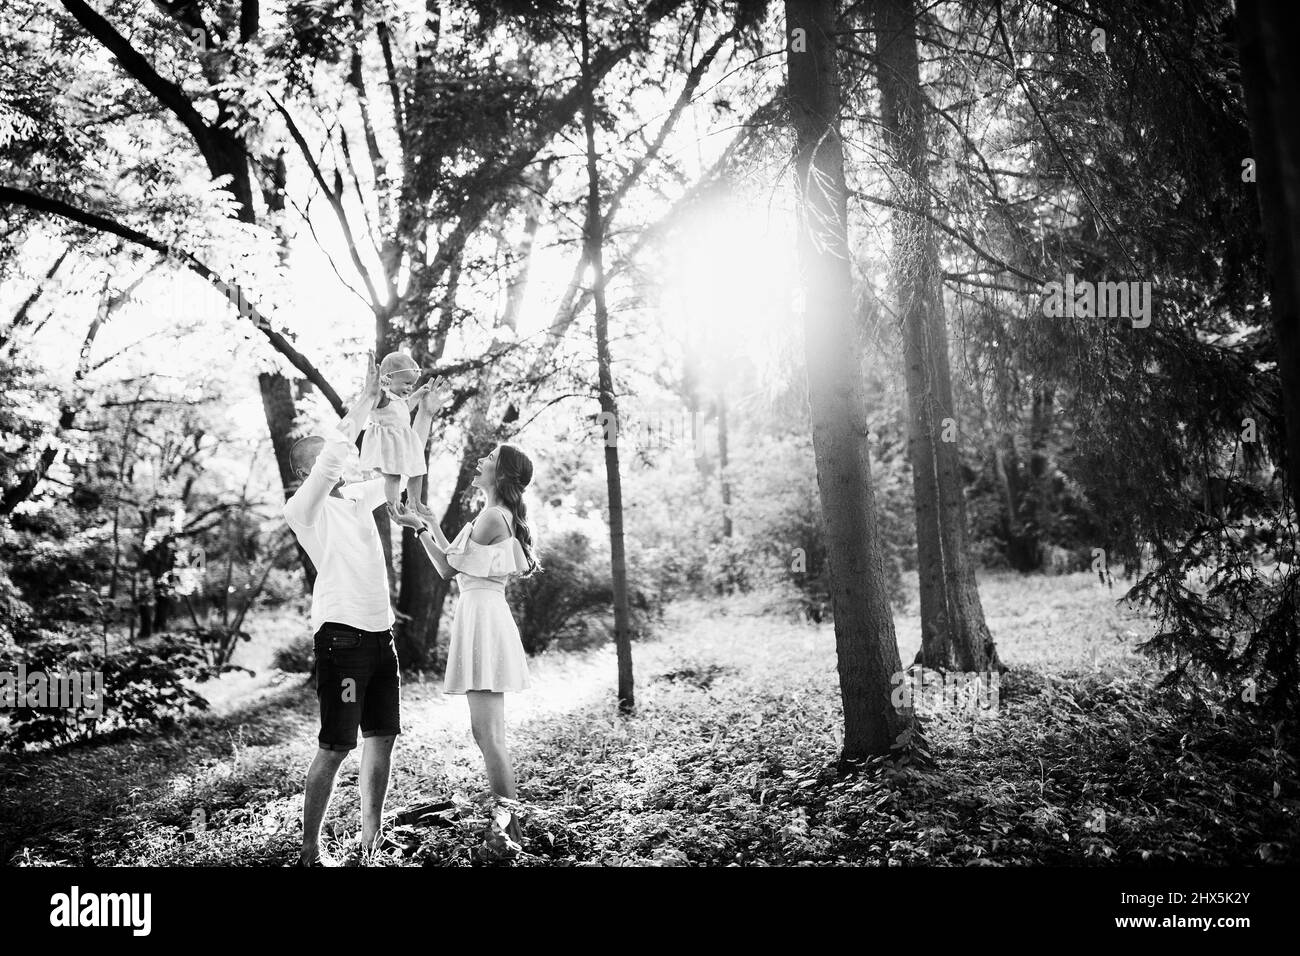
x: 387, y: 375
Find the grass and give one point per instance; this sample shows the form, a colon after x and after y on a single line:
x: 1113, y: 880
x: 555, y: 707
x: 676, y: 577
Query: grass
x: 728, y: 760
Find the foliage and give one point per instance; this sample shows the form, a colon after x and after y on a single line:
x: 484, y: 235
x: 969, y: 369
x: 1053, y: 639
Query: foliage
x: 1228, y: 604
x: 297, y: 656
x: 731, y: 760
x: 144, y: 686
x: 569, y: 600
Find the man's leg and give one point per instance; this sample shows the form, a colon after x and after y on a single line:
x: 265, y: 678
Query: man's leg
x: 376, y: 758
x: 381, y: 722
x: 340, y: 680
x: 320, y: 787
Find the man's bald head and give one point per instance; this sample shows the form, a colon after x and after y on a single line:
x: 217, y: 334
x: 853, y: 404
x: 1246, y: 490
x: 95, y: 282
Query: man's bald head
x: 303, y: 454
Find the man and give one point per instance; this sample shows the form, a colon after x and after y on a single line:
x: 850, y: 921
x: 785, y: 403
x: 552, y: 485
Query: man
x: 357, y: 679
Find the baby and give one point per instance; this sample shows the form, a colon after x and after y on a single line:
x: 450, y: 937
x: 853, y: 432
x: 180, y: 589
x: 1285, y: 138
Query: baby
x: 390, y: 444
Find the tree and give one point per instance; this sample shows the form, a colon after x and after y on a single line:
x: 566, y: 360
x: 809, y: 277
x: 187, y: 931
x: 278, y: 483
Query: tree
x: 593, y: 243
x: 865, y: 646
x: 220, y: 142
x: 953, y: 631
x: 1271, y: 77
x: 453, y: 149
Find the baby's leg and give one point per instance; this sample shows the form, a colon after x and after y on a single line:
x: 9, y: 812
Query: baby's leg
x: 414, y: 494
x: 393, y: 491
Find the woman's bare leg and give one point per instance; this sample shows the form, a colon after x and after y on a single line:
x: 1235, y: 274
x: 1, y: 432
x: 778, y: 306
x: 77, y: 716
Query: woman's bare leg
x: 487, y: 719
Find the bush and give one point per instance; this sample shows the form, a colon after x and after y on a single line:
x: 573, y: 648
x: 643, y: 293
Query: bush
x: 15, y: 613
x: 298, y: 656
x: 729, y: 566
x: 572, y: 597
x: 143, y: 686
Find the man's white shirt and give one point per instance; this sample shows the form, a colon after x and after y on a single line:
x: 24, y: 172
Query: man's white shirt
x: 340, y: 537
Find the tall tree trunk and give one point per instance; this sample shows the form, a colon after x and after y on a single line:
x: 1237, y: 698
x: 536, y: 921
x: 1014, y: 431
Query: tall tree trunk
x: 723, y: 477
x: 1041, y: 473
x: 1270, y: 73
x: 1018, y: 526
x: 953, y: 631
x: 864, y: 628
x: 595, y: 240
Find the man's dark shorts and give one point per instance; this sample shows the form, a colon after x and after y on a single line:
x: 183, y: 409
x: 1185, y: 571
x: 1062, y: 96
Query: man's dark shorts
x: 358, y: 685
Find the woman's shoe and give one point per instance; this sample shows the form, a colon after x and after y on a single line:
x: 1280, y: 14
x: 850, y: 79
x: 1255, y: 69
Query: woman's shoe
x: 505, y: 822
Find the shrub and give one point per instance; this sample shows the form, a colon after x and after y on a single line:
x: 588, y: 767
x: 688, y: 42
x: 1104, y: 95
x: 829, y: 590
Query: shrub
x: 144, y: 685
x: 298, y: 656
x: 572, y: 595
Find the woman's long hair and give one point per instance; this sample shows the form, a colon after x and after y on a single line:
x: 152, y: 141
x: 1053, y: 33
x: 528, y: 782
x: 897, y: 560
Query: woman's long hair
x: 514, y: 472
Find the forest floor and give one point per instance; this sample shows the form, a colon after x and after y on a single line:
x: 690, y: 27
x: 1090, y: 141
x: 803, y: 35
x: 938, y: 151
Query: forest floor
x: 729, y: 759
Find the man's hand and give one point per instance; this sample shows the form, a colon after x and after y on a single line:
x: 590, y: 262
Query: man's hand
x: 365, y: 403
x: 370, y: 390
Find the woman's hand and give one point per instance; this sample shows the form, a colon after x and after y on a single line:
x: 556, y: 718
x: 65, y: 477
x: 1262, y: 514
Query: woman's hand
x: 435, y: 549
x: 407, y: 518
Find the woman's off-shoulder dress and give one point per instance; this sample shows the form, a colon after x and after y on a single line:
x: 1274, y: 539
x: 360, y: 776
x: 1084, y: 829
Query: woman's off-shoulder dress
x: 485, y: 652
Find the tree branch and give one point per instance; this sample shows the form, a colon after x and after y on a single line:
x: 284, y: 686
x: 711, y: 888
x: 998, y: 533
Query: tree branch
x: 233, y: 292
x: 165, y: 91
x: 20, y: 317
x: 963, y: 238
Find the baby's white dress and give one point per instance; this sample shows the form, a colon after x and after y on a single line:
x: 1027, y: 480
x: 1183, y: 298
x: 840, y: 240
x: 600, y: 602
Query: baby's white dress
x: 390, y: 444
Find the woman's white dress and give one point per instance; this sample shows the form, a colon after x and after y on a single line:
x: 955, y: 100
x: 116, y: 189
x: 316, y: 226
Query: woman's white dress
x: 485, y: 652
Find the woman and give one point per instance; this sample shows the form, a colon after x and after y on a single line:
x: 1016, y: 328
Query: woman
x: 486, y: 659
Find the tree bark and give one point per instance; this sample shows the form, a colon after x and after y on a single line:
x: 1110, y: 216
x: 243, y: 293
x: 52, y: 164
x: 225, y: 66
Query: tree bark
x: 1271, y: 75
x: 954, y: 634
x: 724, y: 479
x: 866, y: 650
x: 594, y: 236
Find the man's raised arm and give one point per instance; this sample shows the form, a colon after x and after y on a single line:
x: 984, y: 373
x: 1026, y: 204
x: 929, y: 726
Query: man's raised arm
x: 304, y: 506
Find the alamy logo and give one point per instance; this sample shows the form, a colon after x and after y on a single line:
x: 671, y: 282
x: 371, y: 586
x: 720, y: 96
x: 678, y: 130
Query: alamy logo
x: 655, y: 429
x: 1103, y: 300
x: 921, y: 688
x: 75, y: 909
x: 37, y: 689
